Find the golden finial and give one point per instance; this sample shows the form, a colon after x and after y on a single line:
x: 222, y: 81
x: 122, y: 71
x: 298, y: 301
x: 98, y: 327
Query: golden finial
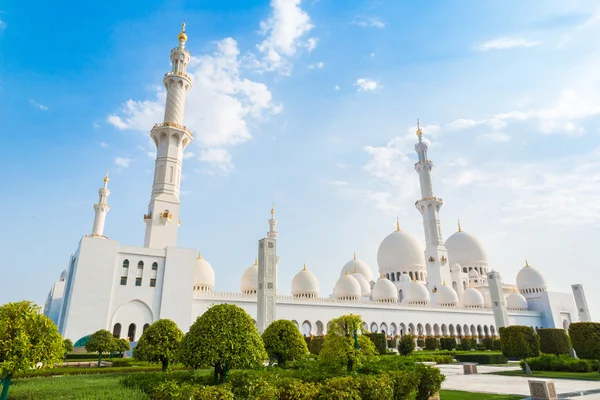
x: 354, y: 268
x: 355, y: 255
x: 256, y: 261
x: 514, y: 289
x: 346, y: 271
x: 199, y: 256
x: 419, y: 130
x: 106, y: 177
x: 526, y: 264
x: 459, y: 228
x: 382, y: 275
x: 444, y: 282
x: 182, y: 37
x: 304, y: 267
x: 397, y: 225
x: 272, y: 210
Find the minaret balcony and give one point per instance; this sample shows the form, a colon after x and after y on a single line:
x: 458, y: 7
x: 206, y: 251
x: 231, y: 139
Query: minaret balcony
x: 165, y: 217
x: 170, y: 73
x: 148, y: 217
x: 174, y: 125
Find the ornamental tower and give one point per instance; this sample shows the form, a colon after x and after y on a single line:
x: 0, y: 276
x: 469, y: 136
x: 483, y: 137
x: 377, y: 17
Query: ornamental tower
x: 171, y: 138
x: 101, y: 209
x: 436, y: 256
x: 267, y: 278
x: 272, y: 234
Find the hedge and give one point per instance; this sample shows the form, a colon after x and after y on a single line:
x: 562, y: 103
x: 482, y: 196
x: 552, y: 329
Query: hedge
x: 585, y: 337
x: 90, y: 356
x: 496, y: 345
x: 447, y: 343
x: 421, y: 343
x: 554, y: 341
x: 563, y: 363
x: 467, y: 343
x: 379, y: 341
x: 431, y: 343
x: 482, y: 358
x: 519, y: 342
x: 315, y: 345
x: 487, y: 343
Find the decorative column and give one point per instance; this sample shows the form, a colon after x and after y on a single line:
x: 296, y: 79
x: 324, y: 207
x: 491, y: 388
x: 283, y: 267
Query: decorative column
x: 498, y: 300
x: 100, y: 210
x: 267, y: 279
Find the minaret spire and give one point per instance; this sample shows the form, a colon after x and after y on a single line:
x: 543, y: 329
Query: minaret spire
x: 436, y: 255
x: 171, y: 138
x: 101, y: 209
x: 272, y: 234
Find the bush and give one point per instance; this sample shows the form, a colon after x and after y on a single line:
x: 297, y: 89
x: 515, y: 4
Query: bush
x: 487, y: 343
x: 554, y: 341
x: 403, y: 383
x: 295, y: 389
x: 447, y: 343
x: 519, y: 342
x: 316, y: 344
x: 159, y: 343
x: 430, y: 382
x: 496, y: 346
x: 253, y: 384
x: 283, y: 342
x: 406, y: 345
x: 467, y: 344
x: 437, y: 358
x: 340, y: 388
x: 431, y: 343
x: 376, y: 387
x: 585, y: 337
x: 563, y: 363
x: 379, y: 341
x: 482, y: 358
x: 421, y: 343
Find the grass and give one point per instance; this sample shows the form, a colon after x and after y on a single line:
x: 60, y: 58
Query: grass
x: 459, y: 395
x: 87, y: 387
x: 581, y: 376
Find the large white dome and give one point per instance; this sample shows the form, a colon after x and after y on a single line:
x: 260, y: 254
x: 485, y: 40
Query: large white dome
x: 347, y: 288
x: 365, y: 286
x: 465, y: 249
x: 400, y: 251
x: 516, y: 301
x: 305, y: 284
x: 385, y: 291
x: 530, y: 278
x: 446, y: 296
x: 416, y: 294
x: 472, y: 298
x: 204, y: 275
x: 249, y: 283
x: 358, y: 265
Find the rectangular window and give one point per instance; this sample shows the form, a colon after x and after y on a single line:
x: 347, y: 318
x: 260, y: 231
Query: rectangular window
x: 138, y: 281
x: 123, y: 280
x: 152, y: 282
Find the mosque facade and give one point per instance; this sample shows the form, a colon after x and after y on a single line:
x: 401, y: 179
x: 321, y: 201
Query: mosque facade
x: 445, y: 288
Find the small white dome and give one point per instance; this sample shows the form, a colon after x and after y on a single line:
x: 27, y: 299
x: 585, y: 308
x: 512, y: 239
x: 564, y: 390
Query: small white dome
x: 416, y: 294
x: 204, y: 275
x: 360, y: 266
x: 305, y: 284
x: 63, y: 276
x: 472, y: 298
x: 365, y: 286
x: 385, y: 291
x: 473, y: 274
x: 347, y: 288
x: 404, y: 278
x: 249, y: 283
x: 530, y: 278
x: 516, y: 301
x: 465, y: 249
x: 400, y: 251
x: 455, y: 268
x: 446, y: 296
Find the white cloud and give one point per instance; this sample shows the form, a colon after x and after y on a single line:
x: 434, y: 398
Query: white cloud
x: 284, y: 30
x: 371, y: 54
x: 497, y: 137
x: 462, y: 123
x: 369, y: 22
x: 365, y: 85
x: 187, y: 154
x: 591, y: 22
x: 219, y: 106
x: 103, y: 145
x: 505, y: 43
x: 339, y: 183
x: 217, y: 157
x: 122, y: 162
x: 318, y: 65
x: 38, y: 105
x: 336, y: 87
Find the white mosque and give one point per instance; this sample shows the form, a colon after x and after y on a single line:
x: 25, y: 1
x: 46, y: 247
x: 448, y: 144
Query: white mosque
x: 444, y: 289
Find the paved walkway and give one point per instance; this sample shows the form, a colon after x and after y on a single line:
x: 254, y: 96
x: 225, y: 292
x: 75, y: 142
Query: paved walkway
x: 486, y: 383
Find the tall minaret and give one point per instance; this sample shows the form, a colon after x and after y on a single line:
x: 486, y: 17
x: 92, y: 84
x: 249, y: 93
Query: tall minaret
x: 171, y: 138
x: 266, y: 298
x: 272, y: 234
x: 101, y: 209
x: 436, y: 256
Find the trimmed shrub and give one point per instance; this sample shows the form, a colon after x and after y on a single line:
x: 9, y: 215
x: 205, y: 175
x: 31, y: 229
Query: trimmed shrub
x: 430, y: 382
x: 482, y: 358
x: 554, y: 341
x: 487, y: 343
x: 376, y: 387
x: 563, y: 363
x: 295, y: 389
x: 447, y: 343
x: 404, y: 383
x: 340, y: 388
x: 519, y: 342
x: 316, y: 344
x: 585, y: 337
x: 252, y: 384
x: 379, y: 341
x: 421, y: 343
x: 467, y: 344
x: 283, y: 342
x: 431, y: 343
x: 437, y: 358
x: 496, y: 346
x: 480, y: 347
x: 406, y: 345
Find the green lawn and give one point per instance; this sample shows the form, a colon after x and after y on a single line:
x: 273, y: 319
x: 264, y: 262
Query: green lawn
x: 459, y: 395
x: 582, y: 376
x: 80, y: 387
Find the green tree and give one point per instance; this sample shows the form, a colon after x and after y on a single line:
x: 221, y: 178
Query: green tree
x: 344, y: 345
x: 101, y: 341
x: 122, y: 345
x: 406, y: 345
x: 159, y: 343
x: 519, y: 342
x: 554, y: 341
x: 68, y: 345
x: 224, y: 337
x: 27, y: 338
x: 585, y: 337
x: 283, y: 341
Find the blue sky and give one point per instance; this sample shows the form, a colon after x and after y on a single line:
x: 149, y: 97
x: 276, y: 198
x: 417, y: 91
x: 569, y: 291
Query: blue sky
x: 310, y: 105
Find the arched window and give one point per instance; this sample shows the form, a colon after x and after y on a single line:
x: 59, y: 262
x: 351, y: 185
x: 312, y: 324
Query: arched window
x: 117, y: 331
x: 400, y: 295
x: 153, y: 274
x: 124, y: 272
x: 154, y: 266
x: 145, y: 327
x: 397, y: 276
x: 393, y: 277
x: 465, y: 270
x: 131, y: 333
x: 454, y: 286
x: 139, y: 274
x: 410, y: 275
